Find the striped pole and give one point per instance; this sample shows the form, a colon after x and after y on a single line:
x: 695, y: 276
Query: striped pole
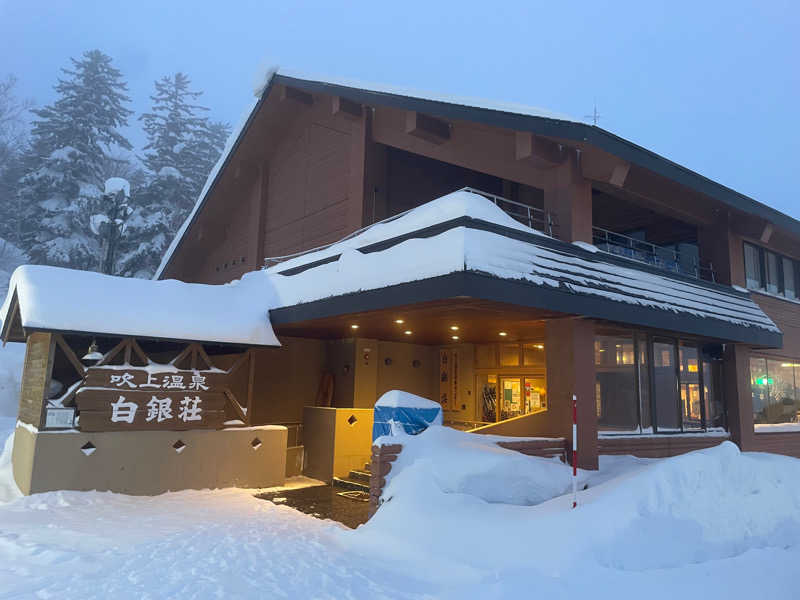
x: 574, y: 451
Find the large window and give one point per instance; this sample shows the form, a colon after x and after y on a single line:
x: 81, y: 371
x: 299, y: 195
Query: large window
x: 770, y: 272
x: 774, y: 388
x: 657, y: 384
x: 615, y: 383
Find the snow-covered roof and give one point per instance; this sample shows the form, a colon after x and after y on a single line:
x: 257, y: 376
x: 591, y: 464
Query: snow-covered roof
x: 487, y: 241
x: 505, y: 114
x: 57, y: 299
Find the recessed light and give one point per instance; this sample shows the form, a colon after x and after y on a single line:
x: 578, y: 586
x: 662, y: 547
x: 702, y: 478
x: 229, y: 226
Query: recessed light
x: 399, y: 321
x: 454, y: 327
x: 354, y: 326
x: 503, y: 333
x: 539, y: 346
x: 455, y: 337
x: 408, y: 332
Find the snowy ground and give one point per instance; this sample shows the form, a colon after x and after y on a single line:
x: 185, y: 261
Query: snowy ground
x: 712, y: 524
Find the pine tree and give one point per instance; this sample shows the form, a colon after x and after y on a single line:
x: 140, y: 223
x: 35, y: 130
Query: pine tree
x: 183, y: 146
x: 14, y: 154
x: 71, y: 142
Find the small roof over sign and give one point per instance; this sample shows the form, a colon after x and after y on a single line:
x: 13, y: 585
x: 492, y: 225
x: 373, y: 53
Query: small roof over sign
x: 56, y: 299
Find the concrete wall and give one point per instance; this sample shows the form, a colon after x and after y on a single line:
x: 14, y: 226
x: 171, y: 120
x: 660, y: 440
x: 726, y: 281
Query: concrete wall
x: 145, y: 462
x: 336, y: 440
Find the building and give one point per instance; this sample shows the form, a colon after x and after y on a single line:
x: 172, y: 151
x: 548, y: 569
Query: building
x: 495, y: 258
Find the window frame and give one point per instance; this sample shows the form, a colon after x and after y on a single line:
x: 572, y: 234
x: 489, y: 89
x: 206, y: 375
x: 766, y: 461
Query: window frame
x: 762, y: 257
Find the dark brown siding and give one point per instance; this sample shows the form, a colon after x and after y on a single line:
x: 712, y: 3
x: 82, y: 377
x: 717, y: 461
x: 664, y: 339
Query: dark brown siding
x: 777, y: 443
x: 787, y: 317
x: 658, y: 446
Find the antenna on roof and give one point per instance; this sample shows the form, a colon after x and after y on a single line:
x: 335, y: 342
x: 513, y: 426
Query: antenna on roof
x: 595, y: 116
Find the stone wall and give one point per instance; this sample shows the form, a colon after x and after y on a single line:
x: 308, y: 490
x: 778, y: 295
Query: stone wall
x: 380, y: 467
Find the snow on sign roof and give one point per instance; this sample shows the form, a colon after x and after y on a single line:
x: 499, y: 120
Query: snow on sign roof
x: 491, y: 243
x: 57, y: 299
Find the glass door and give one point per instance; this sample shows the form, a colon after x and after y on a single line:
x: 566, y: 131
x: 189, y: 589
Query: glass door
x: 511, y: 404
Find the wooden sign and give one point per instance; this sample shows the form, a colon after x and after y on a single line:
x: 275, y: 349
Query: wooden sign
x: 114, y: 399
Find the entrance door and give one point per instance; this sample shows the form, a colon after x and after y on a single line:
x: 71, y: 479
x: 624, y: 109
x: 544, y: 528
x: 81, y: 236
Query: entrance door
x: 521, y: 395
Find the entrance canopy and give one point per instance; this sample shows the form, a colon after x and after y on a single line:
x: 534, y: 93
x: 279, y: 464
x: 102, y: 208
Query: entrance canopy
x: 44, y: 298
x: 462, y: 248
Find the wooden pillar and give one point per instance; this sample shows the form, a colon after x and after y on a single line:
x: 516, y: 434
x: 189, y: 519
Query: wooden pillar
x: 39, y: 353
x: 569, y: 344
x: 356, y: 208
x: 569, y: 200
x: 738, y: 395
x: 723, y: 249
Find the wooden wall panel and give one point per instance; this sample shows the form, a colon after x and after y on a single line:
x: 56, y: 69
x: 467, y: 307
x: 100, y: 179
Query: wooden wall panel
x: 787, y: 317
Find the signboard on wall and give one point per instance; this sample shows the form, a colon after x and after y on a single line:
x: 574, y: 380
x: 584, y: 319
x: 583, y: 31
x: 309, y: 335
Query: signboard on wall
x: 115, y: 399
x: 448, y: 378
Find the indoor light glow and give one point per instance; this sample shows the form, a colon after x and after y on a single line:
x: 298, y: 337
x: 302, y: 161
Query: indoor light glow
x: 455, y: 337
x: 354, y: 326
x: 408, y: 332
x: 399, y: 321
x: 454, y: 327
x: 503, y: 333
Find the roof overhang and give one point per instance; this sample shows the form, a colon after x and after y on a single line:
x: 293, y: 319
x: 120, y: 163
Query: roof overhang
x: 472, y: 285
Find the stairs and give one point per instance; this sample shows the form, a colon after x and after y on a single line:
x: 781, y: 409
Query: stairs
x: 357, y: 480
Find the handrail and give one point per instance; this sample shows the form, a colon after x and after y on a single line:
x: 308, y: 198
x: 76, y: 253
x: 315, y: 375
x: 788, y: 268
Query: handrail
x: 648, y: 253
x: 535, y: 218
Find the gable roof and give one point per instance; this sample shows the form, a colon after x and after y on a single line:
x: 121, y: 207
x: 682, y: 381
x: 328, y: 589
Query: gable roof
x: 512, y: 116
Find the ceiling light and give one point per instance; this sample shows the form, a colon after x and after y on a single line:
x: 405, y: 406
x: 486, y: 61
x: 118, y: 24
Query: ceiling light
x: 503, y: 333
x: 455, y: 337
x: 408, y: 332
x: 354, y: 326
x: 454, y: 327
x: 399, y: 321
x: 539, y: 346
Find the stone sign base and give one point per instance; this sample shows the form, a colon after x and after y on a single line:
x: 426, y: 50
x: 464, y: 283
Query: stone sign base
x: 149, y: 462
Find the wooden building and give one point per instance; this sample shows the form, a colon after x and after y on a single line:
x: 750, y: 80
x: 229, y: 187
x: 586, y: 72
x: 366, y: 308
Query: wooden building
x: 568, y: 261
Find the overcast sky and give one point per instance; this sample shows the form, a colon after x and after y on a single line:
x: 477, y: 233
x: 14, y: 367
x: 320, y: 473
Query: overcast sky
x: 711, y: 85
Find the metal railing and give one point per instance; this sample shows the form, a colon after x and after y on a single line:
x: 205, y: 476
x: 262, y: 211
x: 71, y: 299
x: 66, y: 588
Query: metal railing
x: 533, y: 217
x: 651, y: 254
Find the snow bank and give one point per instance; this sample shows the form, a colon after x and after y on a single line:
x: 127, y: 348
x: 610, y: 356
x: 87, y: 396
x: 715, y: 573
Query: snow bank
x: 69, y: 300
x: 703, y: 506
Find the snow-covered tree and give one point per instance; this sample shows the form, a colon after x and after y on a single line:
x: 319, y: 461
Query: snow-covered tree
x: 71, y: 141
x: 183, y: 146
x: 13, y: 154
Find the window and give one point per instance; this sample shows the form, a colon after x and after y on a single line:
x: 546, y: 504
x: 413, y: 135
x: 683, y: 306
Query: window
x: 773, y: 275
x: 533, y: 354
x: 665, y: 386
x: 662, y: 385
x: 509, y: 355
x: 752, y: 266
x: 690, y: 387
x: 774, y: 388
x: 770, y: 272
x: 615, y: 383
x: 788, y: 279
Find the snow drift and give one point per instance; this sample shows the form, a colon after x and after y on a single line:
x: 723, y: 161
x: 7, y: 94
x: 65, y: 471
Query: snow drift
x: 455, y: 505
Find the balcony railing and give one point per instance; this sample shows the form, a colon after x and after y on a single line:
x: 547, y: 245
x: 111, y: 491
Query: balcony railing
x: 533, y: 217
x: 650, y: 254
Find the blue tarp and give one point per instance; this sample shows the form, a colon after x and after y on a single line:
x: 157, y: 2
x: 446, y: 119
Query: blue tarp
x: 400, y: 411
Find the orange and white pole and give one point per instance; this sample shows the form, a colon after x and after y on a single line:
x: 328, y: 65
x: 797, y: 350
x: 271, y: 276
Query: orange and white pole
x: 574, y: 451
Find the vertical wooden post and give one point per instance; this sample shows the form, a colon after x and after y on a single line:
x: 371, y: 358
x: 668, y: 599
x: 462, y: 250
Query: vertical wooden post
x: 251, y: 386
x: 39, y: 353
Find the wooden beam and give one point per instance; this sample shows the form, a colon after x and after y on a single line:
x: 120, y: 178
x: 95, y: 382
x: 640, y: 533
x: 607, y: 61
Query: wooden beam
x: 531, y: 147
x: 111, y: 355
x: 427, y: 128
x: 619, y: 174
x: 347, y: 108
x: 295, y: 95
x: 766, y: 233
x: 71, y: 356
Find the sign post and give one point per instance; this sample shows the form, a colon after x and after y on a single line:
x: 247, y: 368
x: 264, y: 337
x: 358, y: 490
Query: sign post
x: 574, y: 451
